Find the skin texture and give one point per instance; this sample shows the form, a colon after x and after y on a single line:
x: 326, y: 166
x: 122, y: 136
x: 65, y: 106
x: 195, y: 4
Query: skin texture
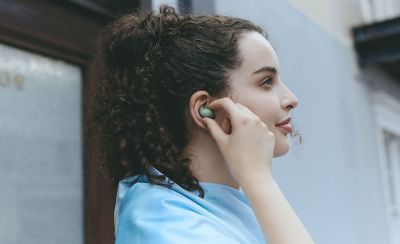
x: 270, y: 102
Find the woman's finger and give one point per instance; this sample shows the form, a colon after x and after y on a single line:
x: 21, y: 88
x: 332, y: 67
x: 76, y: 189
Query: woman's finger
x: 246, y: 110
x: 234, y: 113
x: 250, y: 113
x: 215, y: 130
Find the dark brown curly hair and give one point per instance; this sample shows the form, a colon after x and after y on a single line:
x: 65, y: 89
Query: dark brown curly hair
x: 147, y: 67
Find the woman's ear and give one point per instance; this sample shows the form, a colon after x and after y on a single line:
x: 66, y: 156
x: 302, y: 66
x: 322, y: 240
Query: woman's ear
x: 198, y: 108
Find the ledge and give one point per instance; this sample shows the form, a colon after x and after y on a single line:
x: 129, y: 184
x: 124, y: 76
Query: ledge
x: 379, y: 44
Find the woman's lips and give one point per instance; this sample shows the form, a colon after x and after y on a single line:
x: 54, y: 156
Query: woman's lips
x: 287, y: 128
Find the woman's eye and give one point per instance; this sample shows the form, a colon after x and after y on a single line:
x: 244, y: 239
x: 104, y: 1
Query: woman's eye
x: 267, y: 81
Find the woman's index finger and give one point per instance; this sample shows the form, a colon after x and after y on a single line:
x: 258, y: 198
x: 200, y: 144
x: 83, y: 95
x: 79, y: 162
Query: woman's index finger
x: 229, y: 106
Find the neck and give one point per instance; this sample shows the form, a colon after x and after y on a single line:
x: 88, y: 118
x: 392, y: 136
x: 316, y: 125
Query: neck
x: 207, y: 163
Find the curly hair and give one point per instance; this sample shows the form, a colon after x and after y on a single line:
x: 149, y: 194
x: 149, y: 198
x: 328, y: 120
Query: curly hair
x: 147, y: 67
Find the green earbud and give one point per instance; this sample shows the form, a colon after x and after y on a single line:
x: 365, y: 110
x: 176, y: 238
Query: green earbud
x: 206, y: 112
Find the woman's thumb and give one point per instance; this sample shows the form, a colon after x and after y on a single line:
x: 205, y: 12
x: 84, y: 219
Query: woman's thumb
x: 215, y: 130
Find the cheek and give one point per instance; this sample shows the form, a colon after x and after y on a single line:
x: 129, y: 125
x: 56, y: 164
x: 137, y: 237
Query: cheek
x: 267, y: 114
x: 261, y: 105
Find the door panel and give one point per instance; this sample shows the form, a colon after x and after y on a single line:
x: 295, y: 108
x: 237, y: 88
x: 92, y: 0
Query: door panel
x: 41, y: 171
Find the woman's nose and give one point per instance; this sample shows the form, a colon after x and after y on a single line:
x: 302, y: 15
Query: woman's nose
x: 290, y: 101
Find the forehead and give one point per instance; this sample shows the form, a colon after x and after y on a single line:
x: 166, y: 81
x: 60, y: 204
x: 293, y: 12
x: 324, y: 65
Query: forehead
x: 256, y: 52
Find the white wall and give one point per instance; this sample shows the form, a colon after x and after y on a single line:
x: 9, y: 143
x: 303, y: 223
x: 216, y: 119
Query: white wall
x: 334, y: 16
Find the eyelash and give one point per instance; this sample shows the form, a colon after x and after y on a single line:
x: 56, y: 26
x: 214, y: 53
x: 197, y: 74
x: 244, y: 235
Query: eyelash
x: 266, y: 81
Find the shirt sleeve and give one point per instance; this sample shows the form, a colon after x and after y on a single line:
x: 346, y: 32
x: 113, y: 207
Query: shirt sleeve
x: 151, y: 214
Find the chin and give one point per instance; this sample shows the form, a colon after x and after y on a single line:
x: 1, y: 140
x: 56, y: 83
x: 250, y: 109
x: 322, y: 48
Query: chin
x: 282, y: 146
x: 280, y: 153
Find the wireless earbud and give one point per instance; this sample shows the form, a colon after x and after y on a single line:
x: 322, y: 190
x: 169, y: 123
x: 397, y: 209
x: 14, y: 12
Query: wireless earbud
x: 206, y: 112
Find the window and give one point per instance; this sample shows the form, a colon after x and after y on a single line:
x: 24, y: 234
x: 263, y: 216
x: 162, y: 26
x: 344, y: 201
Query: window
x: 41, y: 171
x: 387, y: 114
x: 378, y: 10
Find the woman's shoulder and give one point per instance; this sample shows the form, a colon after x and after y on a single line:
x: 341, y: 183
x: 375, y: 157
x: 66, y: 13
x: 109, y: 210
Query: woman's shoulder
x: 139, y: 192
x: 150, y: 213
x: 144, y: 196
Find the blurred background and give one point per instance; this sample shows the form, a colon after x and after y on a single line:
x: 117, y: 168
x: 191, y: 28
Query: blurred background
x: 341, y: 58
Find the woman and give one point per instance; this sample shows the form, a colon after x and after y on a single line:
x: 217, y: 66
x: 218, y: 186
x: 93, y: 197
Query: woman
x: 190, y: 111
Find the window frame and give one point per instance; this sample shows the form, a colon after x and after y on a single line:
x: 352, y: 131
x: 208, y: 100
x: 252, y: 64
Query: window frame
x: 386, y: 109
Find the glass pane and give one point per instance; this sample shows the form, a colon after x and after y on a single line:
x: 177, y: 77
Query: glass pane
x: 41, y: 176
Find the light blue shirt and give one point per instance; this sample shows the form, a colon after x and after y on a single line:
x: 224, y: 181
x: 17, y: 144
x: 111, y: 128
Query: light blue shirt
x: 146, y: 213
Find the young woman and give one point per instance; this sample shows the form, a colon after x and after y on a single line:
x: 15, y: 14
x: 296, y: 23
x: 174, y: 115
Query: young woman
x: 191, y: 111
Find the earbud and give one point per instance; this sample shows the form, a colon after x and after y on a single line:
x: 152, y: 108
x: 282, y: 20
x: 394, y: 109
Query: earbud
x: 206, y: 112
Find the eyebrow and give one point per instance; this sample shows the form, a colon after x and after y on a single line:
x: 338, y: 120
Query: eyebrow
x: 266, y: 69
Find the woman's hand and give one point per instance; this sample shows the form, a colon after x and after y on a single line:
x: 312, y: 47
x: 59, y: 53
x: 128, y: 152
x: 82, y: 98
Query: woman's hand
x: 248, y: 149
